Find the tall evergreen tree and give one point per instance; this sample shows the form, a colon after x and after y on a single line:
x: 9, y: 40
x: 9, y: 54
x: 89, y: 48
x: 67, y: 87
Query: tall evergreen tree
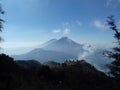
x: 1, y: 21
x: 115, y: 65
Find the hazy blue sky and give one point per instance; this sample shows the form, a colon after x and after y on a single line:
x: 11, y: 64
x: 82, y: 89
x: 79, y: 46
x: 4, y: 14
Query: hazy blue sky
x: 32, y: 22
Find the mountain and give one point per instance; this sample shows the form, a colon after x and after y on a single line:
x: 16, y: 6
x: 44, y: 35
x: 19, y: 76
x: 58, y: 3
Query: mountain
x: 54, y: 50
x: 65, y: 45
x: 48, y: 42
x: 67, y: 49
x: 51, y: 64
x: 70, y: 75
x: 29, y: 64
x: 44, y: 55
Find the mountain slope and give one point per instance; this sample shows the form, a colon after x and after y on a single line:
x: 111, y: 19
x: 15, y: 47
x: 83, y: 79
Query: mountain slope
x: 65, y: 49
x: 44, y: 55
x: 55, y: 50
x: 79, y: 76
x: 29, y: 64
x: 65, y: 45
x: 48, y: 42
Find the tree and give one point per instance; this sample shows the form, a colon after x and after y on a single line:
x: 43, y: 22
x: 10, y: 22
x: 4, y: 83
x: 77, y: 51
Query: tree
x: 1, y: 21
x: 115, y: 54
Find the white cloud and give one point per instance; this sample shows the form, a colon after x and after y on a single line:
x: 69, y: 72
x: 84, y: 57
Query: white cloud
x: 99, y: 25
x: 93, y: 56
x: 66, y: 31
x: 56, y: 31
x: 88, y: 50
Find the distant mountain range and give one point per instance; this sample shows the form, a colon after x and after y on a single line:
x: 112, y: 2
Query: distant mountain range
x: 54, y: 50
x: 66, y: 49
x: 64, y: 45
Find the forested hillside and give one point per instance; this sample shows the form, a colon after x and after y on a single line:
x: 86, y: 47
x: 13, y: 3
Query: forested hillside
x: 70, y: 75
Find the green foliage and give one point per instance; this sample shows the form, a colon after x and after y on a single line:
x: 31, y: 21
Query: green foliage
x: 115, y: 67
x: 72, y: 75
x: 52, y: 64
x: 1, y: 22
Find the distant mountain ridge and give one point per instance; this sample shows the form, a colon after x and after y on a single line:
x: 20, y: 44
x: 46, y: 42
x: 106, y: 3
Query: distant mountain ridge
x: 67, y: 49
x: 48, y: 42
x: 29, y: 64
x: 44, y: 55
x: 54, y: 50
x: 65, y: 45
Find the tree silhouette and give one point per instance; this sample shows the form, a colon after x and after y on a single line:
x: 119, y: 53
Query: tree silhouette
x: 115, y: 65
x: 1, y: 21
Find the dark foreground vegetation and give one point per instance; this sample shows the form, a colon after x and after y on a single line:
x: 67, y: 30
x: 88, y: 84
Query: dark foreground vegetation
x: 31, y: 75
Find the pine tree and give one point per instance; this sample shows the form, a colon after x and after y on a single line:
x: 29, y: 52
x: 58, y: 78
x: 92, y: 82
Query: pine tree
x: 115, y: 65
x: 1, y: 21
